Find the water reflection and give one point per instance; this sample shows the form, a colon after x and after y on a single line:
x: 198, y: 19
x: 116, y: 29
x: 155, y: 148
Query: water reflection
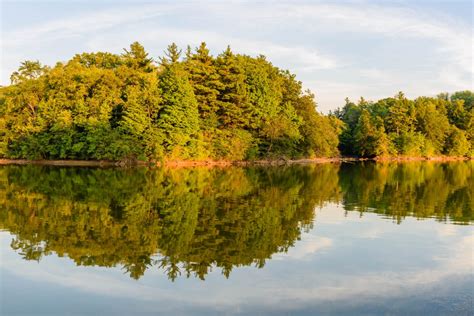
x: 419, y: 189
x: 188, y: 221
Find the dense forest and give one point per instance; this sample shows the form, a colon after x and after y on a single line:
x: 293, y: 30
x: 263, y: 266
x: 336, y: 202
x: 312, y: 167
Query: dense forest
x: 397, y: 126
x: 188, y: 221
x: 192, y: 105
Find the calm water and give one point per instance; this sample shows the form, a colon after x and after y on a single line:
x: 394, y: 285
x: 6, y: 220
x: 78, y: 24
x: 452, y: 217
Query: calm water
x: 321, y: 239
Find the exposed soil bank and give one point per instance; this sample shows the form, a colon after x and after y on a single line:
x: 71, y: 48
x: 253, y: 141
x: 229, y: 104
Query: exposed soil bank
x: 275, y: 162
x: 438, y: 158
x: 169, y: 163
x: 69, y: 163
x: 191, y: 163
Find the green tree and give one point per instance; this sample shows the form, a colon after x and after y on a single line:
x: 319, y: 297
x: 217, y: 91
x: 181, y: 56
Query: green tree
x: 136, y: 57
x: 365, y: 135
x: 401, y: 115
x: 232, y: 97
x: 433, y: 124
x: 467, y: 96
x: 28, y: 70
x: 349, y: 115
x: 172, y: 55
x: 178, y: 116
x: 457, y: 143
x: 320, y: 134
x: 204, y: 79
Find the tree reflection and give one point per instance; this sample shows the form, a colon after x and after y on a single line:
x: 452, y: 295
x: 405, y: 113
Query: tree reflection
x: 194, y: 219
x: 189, y: 221
x: 420, y: 189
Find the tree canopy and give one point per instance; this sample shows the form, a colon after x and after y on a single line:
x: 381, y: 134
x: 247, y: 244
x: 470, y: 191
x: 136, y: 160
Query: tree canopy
x: 104, y: 106
x: 398, y: 126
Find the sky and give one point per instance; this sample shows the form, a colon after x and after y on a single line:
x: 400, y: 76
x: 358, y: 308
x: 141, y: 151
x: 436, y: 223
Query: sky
x: 338, y: 49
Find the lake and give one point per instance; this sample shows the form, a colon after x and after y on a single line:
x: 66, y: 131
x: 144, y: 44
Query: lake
x: 351, y: 238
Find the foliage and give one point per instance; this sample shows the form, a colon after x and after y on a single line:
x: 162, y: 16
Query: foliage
x: 107, y: 106
x: 197, y: 106
x: 399, y: 126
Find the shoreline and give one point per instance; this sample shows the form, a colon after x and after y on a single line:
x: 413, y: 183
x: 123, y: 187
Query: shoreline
x: 221, y: 163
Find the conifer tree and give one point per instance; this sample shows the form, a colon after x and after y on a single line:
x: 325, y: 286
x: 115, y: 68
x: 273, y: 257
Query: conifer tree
x: 401, y: 115
x: 349, y: 114
x: 178, y: 117
x: 364, y: 135
x: 172, y: 55
x: 205, y: 82
x: 136, y: 57
x: 232, y: 96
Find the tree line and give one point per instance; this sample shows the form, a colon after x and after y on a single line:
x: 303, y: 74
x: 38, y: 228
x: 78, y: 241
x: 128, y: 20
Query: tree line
x: 187, y: 105
x: 397, y: 126
x: 192, y: 105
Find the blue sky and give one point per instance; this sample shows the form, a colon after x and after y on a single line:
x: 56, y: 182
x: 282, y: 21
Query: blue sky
x: 337, y: 49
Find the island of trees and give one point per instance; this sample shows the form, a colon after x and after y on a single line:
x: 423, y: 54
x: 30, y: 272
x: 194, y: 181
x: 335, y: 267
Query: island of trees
x: 193, y: 106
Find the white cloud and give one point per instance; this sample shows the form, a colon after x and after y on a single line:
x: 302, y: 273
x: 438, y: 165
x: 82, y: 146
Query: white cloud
x: 455, y: 42
x: 303, y: 57
x: 79, y: 25
x: 309, y: 245
x: 447, y: 230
